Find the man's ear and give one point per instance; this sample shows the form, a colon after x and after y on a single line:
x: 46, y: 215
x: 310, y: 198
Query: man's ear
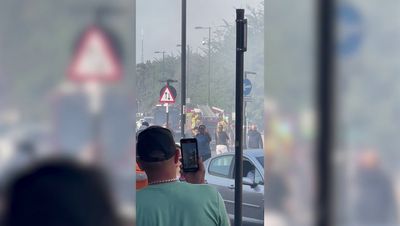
x: 140, y: 164
x: 177, y: 156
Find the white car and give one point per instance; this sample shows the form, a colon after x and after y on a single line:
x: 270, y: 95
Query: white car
x: 220, y: 174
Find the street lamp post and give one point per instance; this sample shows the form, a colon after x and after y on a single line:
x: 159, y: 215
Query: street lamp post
x: 183, y: 69
x: 184, y: 80
x: 209, y: 60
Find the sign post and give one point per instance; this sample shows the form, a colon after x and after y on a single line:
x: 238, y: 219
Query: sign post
x: 95, y: 63
x: 351, y: 29
x: 247, y: 87
x: 167, y: 111
x: 167, y: 97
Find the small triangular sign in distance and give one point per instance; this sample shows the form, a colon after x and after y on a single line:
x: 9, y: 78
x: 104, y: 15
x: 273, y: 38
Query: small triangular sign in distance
x: 166, y: 96
x: 95, y: 59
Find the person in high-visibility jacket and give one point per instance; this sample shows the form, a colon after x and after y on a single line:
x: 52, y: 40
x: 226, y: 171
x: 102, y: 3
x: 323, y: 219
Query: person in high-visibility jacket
x: 141, y: 178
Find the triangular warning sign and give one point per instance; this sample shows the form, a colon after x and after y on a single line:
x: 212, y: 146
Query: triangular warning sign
x: 166, y: 96
x: 95, y: 59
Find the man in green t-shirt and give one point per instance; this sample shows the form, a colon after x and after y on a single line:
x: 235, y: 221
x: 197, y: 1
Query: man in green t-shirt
x: 166, y: 201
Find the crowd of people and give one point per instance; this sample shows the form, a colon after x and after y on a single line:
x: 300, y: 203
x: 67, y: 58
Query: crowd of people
x: 224, y: 140
x: 223, y: 137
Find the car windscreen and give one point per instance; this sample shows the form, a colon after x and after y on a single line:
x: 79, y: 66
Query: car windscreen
x: 260, y: 160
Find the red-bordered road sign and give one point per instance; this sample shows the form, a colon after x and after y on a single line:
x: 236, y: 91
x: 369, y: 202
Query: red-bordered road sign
x: 166, y: 96
x: 95, y: 59
x: 171, y: 88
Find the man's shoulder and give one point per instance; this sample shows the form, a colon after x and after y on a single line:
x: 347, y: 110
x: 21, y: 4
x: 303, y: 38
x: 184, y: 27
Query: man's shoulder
x: 182, y: 185
x: 199, y: 187
x: 204, y: 192
x: 142, y: 191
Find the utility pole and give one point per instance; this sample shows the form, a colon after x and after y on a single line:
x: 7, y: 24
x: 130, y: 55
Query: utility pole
x: 209, y: 65
x: 183, y: 70
x: 325, y: 92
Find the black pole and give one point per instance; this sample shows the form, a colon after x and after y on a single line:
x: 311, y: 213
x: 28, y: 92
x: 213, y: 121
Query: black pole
x: 183, y: 70
x: 325, y: 105
x: 245, y: 120
x: 245, y: 125
x: 240, y: 49
x: 209, y: 66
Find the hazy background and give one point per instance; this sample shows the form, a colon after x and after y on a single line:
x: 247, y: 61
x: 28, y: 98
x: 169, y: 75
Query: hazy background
x: 40, y: 106
x: 366, y: 145
x: 160, y: 22
x: 42, y: 112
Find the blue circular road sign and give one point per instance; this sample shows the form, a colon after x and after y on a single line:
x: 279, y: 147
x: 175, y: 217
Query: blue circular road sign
x: 350, y: 29
x: 247, y: 86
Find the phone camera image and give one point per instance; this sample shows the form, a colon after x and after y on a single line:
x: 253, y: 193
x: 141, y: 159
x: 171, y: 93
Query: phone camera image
x: 189, y: 154
x: 190, y: 158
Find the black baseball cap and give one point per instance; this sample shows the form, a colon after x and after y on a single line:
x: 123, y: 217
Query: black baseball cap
x: 155, y: 144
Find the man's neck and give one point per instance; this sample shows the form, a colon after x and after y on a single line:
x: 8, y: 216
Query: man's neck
x: 161, y: 175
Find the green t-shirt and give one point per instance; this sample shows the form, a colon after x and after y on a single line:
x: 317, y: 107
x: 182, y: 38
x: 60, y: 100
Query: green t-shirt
x: 180, y: 204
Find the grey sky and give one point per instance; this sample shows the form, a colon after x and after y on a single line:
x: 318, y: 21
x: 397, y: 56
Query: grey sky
x: 160, y: 22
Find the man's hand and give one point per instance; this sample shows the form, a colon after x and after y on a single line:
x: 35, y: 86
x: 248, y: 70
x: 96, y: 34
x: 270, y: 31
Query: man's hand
x: 195, y: 177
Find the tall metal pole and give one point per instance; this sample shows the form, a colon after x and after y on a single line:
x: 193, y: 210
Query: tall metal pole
x: 325, y: 104
x: 209, y: 65
x: 142, y: 56
x: 183, y: 70
x: 163, y: 62
x: 240, y: 49
x: 245, y: 120
x: 189, y: 51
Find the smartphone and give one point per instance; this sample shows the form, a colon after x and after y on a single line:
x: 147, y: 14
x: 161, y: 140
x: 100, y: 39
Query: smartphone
x: 190, y: 155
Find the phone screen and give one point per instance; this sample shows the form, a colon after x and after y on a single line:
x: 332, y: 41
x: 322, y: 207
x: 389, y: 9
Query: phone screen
x: 189, y: 154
